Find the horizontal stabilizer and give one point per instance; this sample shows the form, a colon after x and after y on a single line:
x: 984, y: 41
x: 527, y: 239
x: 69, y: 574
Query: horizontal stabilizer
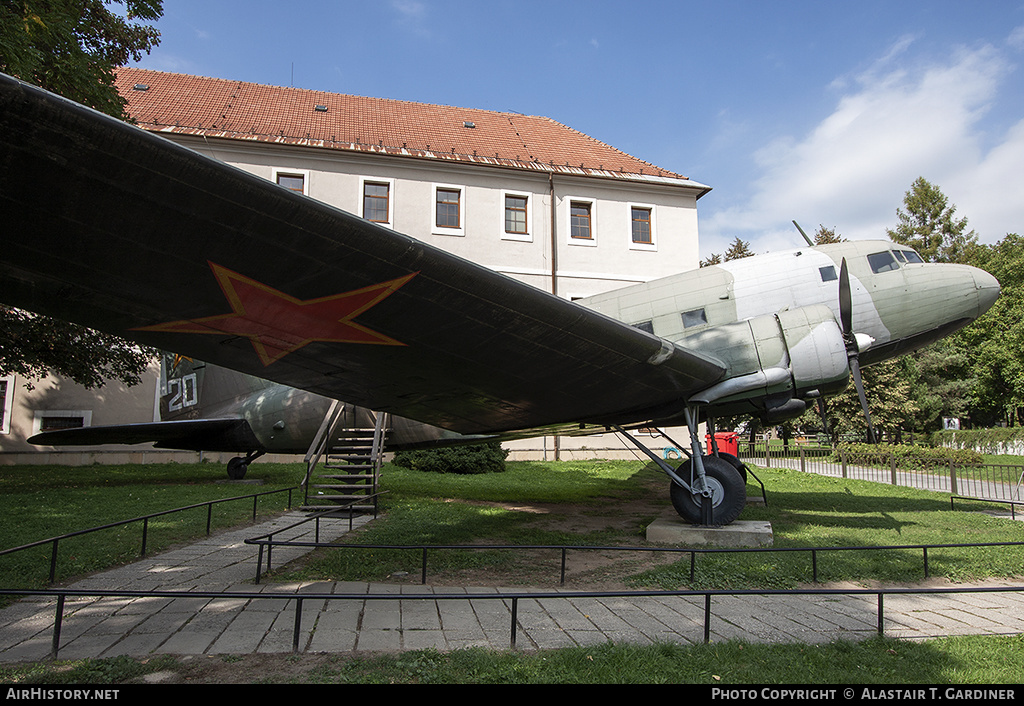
x: 233, y: 435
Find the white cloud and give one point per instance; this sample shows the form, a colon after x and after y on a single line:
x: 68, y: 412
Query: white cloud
x: 895, y: 121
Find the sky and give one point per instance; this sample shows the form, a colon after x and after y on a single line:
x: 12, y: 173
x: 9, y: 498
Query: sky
x: 823, y: 112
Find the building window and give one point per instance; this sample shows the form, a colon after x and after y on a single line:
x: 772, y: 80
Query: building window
x: 515, y: 214
x: 55, y: 419
x: 448, y: 201
x: 376, y: 202
x: 580, y: 225
x: 6, y: 403
x: 642, y: 233
x: 449, y: 210
x: 292, y: 179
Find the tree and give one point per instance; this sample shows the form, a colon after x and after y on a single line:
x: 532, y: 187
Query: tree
x: 995, y: 341
x: 738, y: 249
x: 32, y: 346
x: 73, y: 48
x: 928, y: 225
x: 824, y: 236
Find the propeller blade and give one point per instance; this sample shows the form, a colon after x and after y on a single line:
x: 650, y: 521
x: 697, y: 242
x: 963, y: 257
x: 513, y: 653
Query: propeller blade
x: 845, y: 302
x: 859, y: 384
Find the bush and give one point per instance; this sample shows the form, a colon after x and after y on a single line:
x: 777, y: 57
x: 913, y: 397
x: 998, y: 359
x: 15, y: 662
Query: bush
x: 908, y: 457
x: 465, y: 459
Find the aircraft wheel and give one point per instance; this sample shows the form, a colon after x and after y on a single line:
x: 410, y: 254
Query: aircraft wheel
x: 237, y: 468
x: 728, y: 493
x: 735, y: 463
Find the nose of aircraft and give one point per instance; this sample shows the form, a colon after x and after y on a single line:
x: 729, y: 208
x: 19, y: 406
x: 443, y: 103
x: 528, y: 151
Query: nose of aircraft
x: 987, y: 287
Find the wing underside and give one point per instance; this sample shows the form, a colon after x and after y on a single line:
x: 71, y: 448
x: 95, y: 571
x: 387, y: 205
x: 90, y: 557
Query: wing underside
x: 118, y: 229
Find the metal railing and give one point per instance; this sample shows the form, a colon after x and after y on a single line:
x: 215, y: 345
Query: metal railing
x: 267, y: 540
x: 512, y: 596
x: 144, y: 519
x: 563, y: 551
x: 981, y: 482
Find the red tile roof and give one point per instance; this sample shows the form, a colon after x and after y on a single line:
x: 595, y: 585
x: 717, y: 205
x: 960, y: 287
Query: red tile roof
x: 193, y: 105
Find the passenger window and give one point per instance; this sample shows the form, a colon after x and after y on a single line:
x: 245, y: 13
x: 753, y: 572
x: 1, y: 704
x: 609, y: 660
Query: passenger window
x: 697, y: 317
x: 828, y: 274
x: 882, y: 262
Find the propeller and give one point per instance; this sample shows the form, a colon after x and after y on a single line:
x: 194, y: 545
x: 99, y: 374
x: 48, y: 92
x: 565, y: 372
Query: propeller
x: 852, y: 346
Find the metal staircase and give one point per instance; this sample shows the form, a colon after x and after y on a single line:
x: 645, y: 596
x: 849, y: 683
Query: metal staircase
x: 343, y: 462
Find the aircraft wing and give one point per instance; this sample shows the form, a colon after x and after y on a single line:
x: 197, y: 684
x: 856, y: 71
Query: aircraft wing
x: 226, y: 434
x: 123, y: 231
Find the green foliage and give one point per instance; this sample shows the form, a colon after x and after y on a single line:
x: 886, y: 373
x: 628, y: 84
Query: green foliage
x: 468, y: 459
x: 928, y: 225
x: 32, y: 346
x: 73, y: 48
x: 737, y: 249
x: 991, y: 441
x: 907, y: 457
x: 888, y: 389
x: 996, y: 340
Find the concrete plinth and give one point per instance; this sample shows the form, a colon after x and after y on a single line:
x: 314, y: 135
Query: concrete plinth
x: 741, y: 533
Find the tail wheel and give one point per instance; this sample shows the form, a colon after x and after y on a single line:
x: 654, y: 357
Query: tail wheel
x: 237, y: 468
x: 728, y: 493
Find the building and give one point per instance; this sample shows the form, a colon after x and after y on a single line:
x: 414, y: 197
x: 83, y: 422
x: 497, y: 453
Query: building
x: 523, y: 195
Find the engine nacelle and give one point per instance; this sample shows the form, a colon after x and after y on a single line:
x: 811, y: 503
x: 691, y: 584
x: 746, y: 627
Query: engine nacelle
x: 771, y: 360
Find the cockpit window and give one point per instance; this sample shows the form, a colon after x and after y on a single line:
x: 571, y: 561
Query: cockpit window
x: 647, y: 326
x: 910, y: 255
x: 882, y: 262
x: 828, y: 274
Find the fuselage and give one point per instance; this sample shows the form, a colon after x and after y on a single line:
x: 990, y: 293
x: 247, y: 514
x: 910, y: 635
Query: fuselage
x: 899, y: 301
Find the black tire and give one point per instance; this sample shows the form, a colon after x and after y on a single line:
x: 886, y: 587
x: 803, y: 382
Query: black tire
x: 735, y: 463
x: 728, y: 496
x: 237, y: 468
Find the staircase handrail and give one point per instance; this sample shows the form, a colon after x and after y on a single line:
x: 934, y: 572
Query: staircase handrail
x: 320, y: 442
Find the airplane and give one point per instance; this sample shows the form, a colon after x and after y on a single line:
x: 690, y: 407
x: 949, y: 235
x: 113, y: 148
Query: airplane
x: 302, y: 304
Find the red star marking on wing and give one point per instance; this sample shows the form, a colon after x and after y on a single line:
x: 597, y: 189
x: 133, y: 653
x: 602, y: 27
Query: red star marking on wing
x: 278, y: 324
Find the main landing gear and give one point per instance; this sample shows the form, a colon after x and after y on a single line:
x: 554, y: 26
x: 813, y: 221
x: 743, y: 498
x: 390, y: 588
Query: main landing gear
x: 707, y: 489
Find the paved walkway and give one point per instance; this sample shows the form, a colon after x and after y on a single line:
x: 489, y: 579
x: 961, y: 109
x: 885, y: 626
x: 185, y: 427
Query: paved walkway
x: 258, y: 619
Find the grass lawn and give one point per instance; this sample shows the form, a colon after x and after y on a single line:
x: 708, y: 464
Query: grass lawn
x: 573, y: 503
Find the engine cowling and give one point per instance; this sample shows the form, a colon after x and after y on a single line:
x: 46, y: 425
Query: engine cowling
x: 774, y: 362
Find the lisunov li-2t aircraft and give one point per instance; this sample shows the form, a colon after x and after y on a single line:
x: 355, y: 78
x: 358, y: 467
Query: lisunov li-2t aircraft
x: 290, y: 303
